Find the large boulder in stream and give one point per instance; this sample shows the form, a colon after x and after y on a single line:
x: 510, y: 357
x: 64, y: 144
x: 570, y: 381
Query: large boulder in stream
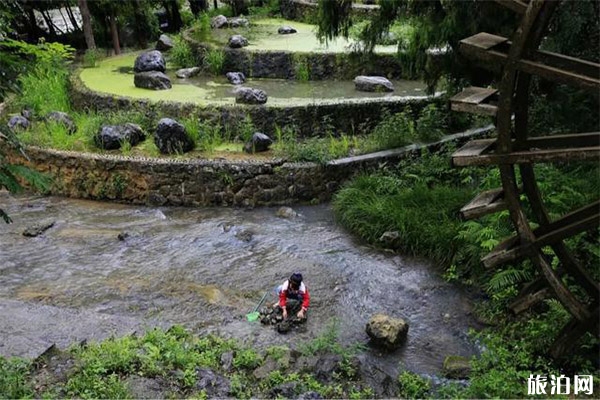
x: 364, y: 83
x: 150, y: 61
x: 170, y: 137
x: 386, y: 331
x: 154, y: 80
x: 246, y: 95
x: 112, y: 137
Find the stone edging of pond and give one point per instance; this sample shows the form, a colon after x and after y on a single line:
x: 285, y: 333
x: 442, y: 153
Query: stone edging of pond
x: 173, y: 182
x: 310, y: 120
x: 303, y: 10
x: 319, y: 65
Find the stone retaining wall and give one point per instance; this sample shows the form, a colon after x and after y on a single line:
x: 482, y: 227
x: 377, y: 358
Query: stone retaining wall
x: 310, y: 120
x: 157, y: 181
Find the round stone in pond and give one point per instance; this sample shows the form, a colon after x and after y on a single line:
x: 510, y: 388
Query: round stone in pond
x: 286, y: 30
x: 373, y: 84
x: 237, y: 42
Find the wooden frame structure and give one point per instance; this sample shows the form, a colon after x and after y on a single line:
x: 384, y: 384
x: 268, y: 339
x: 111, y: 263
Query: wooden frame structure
x: 514, y: 152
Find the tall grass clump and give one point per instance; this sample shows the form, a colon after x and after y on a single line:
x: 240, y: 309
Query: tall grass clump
x: 201, y: 28
x: 90, y: 58
x: 214, y: 60
x: 182, y: 54
x: 14, y: 378
x: 209, y: 136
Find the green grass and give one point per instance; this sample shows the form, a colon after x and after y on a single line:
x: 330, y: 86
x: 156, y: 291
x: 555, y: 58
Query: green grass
x: 14, y: 378
x: 44, y: 89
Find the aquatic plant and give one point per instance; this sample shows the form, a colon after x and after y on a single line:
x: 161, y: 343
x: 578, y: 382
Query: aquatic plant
x: 214, y: 59
x: 181, y: 54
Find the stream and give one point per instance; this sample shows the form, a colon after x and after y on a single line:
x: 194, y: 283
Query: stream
x: 205, y: 269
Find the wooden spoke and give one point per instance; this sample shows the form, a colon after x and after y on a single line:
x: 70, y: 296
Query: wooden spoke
x: 476, y: 100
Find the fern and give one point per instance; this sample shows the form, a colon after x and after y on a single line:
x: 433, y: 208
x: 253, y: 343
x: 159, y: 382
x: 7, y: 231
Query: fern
x: 507, y: 278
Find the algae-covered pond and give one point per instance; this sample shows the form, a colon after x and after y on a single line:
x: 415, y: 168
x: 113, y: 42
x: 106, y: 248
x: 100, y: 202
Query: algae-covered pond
x: 262, y: 35
x: 115, y: 76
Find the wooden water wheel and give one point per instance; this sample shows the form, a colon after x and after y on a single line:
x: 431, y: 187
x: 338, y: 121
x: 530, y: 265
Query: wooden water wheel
x: 515, y: 152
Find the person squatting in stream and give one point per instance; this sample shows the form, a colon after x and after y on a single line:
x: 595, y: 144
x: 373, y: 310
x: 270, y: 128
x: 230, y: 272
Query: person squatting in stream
x: 294, y: 298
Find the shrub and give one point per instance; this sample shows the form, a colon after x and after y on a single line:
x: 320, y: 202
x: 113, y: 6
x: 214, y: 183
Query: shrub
x: 201, y: 28
x: 431, y: 124
x: 393, y: 131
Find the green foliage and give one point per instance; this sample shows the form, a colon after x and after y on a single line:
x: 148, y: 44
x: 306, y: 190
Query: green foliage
x: 431, y: 124
x: 201, y: 28
x: 41, y: 80
x: 182, y: 54
x: 209, y: 136
x: 269, y: 8
x: 412, y: 386
x: 301, y: 71
x: 246, y: 358
x: 90, y: 58
x: 14, y: 379
x: 214, y: 60
x: 393, y: 131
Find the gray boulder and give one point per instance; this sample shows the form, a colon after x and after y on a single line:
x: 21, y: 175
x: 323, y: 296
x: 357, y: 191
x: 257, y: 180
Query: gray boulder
x: 236, y: 78
x: 150, y: 61
x: 185, y: 73
x: 286, y: 30
x: 236, y: 22
x: 111, y: 137
x: 213, y: 384
x: 170, y: 137
x: 386, y: 331
x: 373, y: 84
x: 152, y: 80
x: 258, y: 143
x: 218, y: 22
x: 237, y: 42
x: 27, y: 113
x: 38, y: 229
x: 18, y: 122
x: 286, y: 212
x: 246, y: 95
x: 62, y: 118
x: 164, y: 43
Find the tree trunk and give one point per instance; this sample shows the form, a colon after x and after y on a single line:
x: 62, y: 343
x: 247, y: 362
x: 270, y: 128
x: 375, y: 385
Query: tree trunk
x: 50, y: 24
x: 86, y: 19
x: 114, y: 32
x: 175, y: 15
x: 215, y: 4
x: 239, y: 7
x: 72, y: 18
x: 198, y: 6
x: 142, y: 30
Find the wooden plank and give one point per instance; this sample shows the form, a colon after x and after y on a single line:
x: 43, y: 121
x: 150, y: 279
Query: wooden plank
x: 473, y: 95
x: 484, y: 203
x: 493, y: 52
x: 525, y: 302
x: 529, y: 156
x: 515, y: 5
x: 473, y: 149
x: 483, y: 41
x: 479, y: 109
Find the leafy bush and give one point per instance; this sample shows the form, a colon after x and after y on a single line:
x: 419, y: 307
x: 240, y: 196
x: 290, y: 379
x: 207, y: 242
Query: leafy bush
x: 90, y: 58
x: 201, y: 28
x: 393, y: 131
x: 412, y: 386
x: 14, y: 375
x: 431, y: 124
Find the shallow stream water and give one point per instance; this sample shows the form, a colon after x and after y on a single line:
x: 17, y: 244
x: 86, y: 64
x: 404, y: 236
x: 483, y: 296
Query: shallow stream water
x: 206, y: 268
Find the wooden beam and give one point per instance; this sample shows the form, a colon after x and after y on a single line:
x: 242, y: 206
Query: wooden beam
x: 493, y: 51
x: 515, y: 5
x: 484, y: 203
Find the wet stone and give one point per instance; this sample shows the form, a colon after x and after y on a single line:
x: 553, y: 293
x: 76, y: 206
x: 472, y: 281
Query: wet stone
x: 286, y: 30
x: 18, y: 122
x: 258, y: 143
x: 218, y: 22
x: 373, y: 84
x: 152, y: 80
x: 111, y: 137
x: 170, y: 137
x: 185, y: 73
x: 62, y: 118
x: 246, y: 95
x: 237, y: 42
x: 237, y: 22
x: 38, y: 229
x: 164, y: 43
x: 150, y: 61
x: 236, y: 78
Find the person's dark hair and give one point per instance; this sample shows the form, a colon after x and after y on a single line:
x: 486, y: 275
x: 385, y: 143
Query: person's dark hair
x: 296, y: 280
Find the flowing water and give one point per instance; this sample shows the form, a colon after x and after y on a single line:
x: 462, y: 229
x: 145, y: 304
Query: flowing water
x: 206, y: 268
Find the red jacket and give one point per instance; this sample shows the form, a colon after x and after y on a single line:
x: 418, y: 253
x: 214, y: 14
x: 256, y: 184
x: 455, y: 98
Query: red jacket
x: 287, y: 292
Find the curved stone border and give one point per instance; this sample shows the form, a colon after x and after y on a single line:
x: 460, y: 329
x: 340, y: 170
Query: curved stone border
x: 310, y: 120
x: 320, y: 65
x: 161, y: 181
